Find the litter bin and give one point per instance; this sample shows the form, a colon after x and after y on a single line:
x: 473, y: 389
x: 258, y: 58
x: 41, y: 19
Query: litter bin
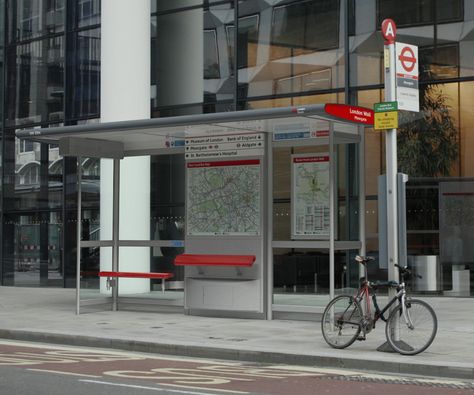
x: 428, y: 267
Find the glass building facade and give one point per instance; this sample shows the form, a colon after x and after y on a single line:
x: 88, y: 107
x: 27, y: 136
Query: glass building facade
x: 255, y: 54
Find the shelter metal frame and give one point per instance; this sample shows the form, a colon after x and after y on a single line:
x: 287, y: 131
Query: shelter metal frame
x: 117, y: 140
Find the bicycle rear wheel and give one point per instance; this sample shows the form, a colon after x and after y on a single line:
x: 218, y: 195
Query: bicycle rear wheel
x: 341, y: 322
x: 411, y: 339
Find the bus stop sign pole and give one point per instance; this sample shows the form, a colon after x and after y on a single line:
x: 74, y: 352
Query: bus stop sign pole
x: 389, y: 31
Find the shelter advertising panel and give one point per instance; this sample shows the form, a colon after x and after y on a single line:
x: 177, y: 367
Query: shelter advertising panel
x: 310, y: 196
x: 223, y: 198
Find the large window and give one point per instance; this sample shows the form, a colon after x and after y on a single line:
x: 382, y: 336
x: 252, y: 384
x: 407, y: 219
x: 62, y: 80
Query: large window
x: 420, y: 12
x: 34, y: 18
x: 311, y: 25
x: 35, y: 78
x: 84, y: 91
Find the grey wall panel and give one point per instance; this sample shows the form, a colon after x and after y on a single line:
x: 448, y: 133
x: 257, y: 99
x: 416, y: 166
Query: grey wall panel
x: 229, y: 295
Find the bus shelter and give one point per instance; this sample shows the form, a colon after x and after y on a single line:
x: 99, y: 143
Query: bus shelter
x: 238, y: 146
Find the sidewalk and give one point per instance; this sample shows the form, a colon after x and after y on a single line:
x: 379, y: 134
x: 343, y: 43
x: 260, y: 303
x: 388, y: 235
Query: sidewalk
x: 48, y: 315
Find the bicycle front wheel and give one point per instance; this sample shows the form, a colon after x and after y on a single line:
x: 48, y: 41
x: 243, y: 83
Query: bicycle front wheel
x: 341, y: 322
x: 414, y: 333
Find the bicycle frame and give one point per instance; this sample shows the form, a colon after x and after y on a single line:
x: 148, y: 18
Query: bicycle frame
x: 363, y: 298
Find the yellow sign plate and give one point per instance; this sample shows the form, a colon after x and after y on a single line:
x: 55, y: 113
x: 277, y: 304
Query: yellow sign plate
x: 386, y: 120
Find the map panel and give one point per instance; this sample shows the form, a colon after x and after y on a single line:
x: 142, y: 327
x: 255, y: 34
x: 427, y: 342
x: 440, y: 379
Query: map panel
x: 310, y: 199
x: 223, y: 198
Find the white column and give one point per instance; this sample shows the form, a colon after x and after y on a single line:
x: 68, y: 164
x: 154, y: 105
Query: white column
x: 125, y: 95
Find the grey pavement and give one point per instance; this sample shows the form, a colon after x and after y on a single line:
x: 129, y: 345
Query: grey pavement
x: 48, y: 315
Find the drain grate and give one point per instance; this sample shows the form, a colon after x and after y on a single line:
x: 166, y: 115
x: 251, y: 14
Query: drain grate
x: 406, y: 381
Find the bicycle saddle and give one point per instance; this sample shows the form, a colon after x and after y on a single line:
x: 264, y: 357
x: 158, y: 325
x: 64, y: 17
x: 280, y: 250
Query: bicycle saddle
x: 364, y: 259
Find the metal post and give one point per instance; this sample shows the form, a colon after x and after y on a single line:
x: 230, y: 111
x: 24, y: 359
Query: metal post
x: 115, y: 230
x: 362, y: 236
x: 391, y: 168
x: 269, y: 231
x: 331, y: 209
x: 78, y: 236
x: 389, y: 33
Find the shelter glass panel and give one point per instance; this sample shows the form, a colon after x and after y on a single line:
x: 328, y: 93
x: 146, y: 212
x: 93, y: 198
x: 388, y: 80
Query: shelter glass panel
x: 301, y: 276
x: 167, y: 213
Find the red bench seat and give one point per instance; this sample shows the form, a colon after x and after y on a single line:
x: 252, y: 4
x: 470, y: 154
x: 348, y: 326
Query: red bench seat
x: 137, y: 275
x: 152, y: 275
x: 214, y: 260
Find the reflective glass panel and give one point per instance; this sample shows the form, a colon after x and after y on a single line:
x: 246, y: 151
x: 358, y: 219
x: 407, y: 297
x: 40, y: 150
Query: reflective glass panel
x: 85, y: 90
x: 288, y: 48
x: 88, y: 12
x: 35, y: 82
x: 32, y: 249
x: 418, y: 12
x: 34, y: 18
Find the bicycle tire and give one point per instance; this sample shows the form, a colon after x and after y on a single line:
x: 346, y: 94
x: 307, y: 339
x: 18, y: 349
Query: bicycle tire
x: 341, y: 329
x: 415, y: 340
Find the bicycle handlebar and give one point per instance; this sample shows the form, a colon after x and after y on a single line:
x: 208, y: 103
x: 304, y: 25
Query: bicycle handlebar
x: 404, y: 271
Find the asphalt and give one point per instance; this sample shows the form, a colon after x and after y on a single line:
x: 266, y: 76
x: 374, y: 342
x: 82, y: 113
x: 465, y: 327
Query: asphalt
x: 48, y: 315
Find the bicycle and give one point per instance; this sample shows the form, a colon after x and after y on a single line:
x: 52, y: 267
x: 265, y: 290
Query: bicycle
x: 410, y: 328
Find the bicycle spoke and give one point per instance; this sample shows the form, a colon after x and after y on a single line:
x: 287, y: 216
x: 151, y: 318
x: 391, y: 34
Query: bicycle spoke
x: 341, y: 322
x: 415, y: 332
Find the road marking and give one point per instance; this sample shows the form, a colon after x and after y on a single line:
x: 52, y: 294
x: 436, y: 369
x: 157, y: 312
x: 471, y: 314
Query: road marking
x: 151, y: 388
x: 205, y: 388
x: 63, y: 373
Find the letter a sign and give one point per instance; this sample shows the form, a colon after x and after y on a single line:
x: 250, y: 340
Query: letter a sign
x: 389, y: 31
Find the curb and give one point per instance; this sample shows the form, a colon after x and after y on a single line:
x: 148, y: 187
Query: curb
x: 432, y: 370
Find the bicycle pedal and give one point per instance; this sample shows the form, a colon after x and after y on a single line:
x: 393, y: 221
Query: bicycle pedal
x: 361, y: 338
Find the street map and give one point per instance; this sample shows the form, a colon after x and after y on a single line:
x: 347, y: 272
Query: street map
x: 223, y: 198
x: 310, y: 195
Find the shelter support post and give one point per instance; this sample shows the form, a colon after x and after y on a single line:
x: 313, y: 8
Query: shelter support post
x: 115, y: 229
x: 78, y: 237
x: 269, y: 232
x: 332, y: 195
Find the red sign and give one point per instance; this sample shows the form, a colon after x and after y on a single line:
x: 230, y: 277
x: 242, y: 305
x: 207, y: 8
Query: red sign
x: 244, y: 162
x: 389, y: 31
x: 407, y: 59
x: 351, y: 113
x: 311, y: 159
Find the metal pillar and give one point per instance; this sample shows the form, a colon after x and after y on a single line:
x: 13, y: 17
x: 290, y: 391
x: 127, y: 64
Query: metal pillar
x: 391, y: 170
x: 115, y: 230
x: 362, y: 236
x: 78, y: 237
x: 269, y: 232
x: 332, y: 195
